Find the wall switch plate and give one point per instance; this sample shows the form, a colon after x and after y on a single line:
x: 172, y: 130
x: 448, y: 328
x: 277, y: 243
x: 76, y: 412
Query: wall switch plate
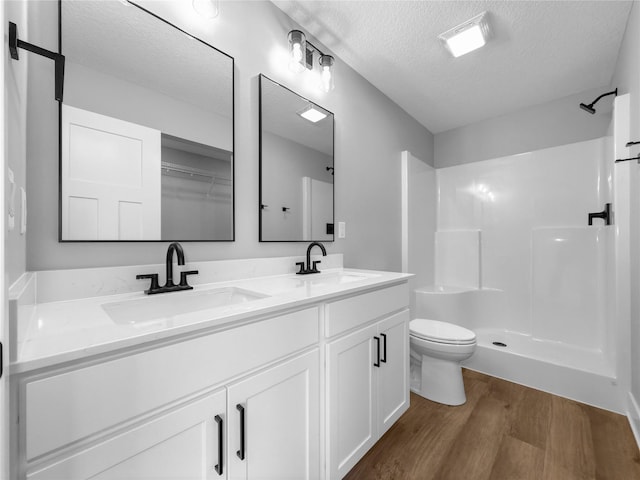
x: 342, y: 229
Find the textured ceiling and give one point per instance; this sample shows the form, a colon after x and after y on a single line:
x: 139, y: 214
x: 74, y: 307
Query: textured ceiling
x: 540, y: 51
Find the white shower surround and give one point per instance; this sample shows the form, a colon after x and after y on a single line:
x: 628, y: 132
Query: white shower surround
x: 546, y: 277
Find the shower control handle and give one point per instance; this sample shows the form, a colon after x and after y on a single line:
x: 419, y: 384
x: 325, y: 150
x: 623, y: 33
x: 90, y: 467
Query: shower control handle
x: 604, y: 215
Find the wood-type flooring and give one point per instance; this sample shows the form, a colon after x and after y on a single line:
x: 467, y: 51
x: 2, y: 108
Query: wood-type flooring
x: 504, y: 432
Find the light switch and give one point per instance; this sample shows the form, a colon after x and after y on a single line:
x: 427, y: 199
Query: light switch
x: 342, y: 229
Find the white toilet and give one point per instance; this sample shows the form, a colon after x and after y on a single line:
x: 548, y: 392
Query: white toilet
x: 437, y: 348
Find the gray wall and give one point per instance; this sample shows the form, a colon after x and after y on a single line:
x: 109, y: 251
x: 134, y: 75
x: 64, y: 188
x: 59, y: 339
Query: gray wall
x: 627, y: 79
x: 542, y: 126
x: 15, y: 92
x: 371, y: 131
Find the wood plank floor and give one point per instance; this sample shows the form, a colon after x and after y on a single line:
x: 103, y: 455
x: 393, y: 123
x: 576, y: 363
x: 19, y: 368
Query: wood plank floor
x: 504, y: 432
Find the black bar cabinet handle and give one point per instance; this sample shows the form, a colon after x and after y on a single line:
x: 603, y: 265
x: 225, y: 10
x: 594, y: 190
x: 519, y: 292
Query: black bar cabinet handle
x: 384, y: 348
x: 220, y: 423
x: 241, y: 452
x: 377, y: 362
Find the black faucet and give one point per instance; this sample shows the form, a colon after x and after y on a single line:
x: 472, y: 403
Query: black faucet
x: 311, y: 268
x: 169, y: 286
x: 605, y: 215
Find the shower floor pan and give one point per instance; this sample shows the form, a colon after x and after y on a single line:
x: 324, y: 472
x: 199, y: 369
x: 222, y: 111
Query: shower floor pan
x: 580, y: 374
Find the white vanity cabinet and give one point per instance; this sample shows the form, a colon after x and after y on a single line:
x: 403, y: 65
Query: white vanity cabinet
x: 367, y: 373
x: 132, y: 416
x: 274, y: 435
x: 301, y: 392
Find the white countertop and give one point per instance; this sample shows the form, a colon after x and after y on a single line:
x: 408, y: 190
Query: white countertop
x: 62, y: 331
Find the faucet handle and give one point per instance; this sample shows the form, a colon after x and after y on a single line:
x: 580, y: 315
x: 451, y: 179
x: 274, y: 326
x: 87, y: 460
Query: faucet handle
x: 301, y: 265
x: 183, y: 277
x: 315, y: 266
x: 154, y: 281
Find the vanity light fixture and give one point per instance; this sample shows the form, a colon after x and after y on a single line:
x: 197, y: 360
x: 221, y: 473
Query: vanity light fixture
x: 468, y: 36
x: 301, y: 53
x: 15, y: 43
x: 207, y: 8
x: 312, y: 114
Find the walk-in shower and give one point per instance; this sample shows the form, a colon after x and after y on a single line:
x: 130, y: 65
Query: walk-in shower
x: 517, y: 261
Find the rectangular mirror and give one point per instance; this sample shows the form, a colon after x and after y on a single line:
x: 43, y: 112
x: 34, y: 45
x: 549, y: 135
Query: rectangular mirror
x: 146, y: 129
x: 296, y: 167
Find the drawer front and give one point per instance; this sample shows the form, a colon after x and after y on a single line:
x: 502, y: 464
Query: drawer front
x: 68, y: 407
x: 346, y: 314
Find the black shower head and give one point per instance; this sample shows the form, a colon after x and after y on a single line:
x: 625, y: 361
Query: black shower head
x: 589, y: 108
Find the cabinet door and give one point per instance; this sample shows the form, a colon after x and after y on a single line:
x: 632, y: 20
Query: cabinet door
x: 351, y: 401
x: 393, y: 375
x: 274, y: 429
x: 180, y: 444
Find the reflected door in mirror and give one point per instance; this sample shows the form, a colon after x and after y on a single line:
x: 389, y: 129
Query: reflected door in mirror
x: 147, y: 128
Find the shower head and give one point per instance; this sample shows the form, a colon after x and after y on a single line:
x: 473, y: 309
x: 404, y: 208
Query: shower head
x: 589, y: 108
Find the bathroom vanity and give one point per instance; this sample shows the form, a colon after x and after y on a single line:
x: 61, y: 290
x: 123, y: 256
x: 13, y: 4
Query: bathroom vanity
x: 282, y: 377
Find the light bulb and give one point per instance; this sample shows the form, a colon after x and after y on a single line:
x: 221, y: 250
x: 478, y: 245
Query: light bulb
x: 326, y: 73
x: 297, y: 50
x: 326, y: 79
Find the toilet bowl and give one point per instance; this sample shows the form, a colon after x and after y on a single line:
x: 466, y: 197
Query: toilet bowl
x: 437, y: 348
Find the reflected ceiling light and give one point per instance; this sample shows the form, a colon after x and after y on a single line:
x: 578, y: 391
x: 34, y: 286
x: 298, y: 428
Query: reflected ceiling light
x: 468, y: 36
x: 312, y: 114
x: 301, y: 53
x: 207, y: 8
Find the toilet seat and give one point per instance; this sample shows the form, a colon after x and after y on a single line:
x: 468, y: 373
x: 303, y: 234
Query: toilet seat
x: 441, y: 332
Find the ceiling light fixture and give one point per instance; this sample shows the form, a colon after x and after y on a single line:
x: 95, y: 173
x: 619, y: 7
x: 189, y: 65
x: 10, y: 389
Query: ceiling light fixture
x: 312, y: 114
x: 468, y: 36
x: 207, y: 8
x: 301, y: 53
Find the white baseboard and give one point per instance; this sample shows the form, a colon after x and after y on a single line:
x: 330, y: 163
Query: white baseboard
x: 633, y: 414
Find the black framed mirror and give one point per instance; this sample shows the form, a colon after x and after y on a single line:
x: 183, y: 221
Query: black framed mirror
x: 296, y: 167
x: 146, y: 128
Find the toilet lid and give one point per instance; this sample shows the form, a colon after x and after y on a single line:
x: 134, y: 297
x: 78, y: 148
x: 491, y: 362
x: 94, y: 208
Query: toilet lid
x: 442, y: 332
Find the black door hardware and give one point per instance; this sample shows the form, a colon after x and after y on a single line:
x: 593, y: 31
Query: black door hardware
x: 241, y: 453
x: 377, y: 362
x: 384, y: 348
x: 218, y: 467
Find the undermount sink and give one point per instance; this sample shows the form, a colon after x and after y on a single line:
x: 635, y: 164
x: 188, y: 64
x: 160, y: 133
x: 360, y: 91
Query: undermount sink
x: 337, y: 278
x: 158, y: 307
